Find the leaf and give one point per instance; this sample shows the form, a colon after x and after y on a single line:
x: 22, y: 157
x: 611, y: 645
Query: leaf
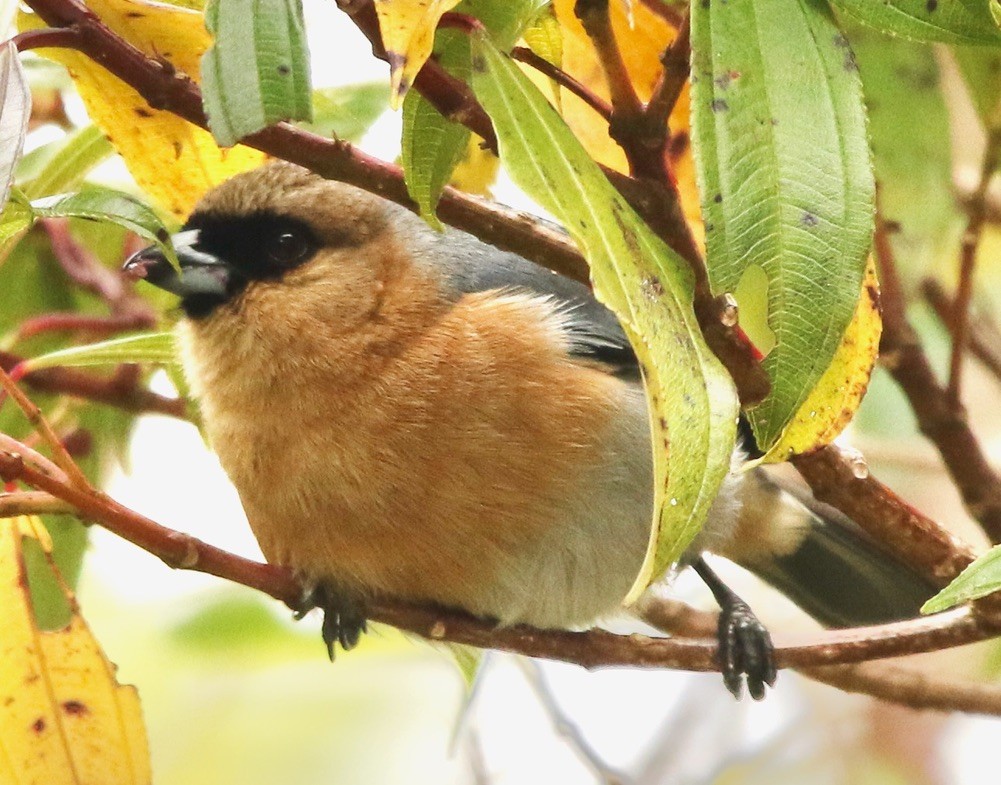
x: 949, y: 21
x: 15, y: 220
x: 477, y: 169
x: 257, y: 71
x: 408, y: 28
x: 103, y: 204
x: 148, y: 139
x: 15, y: 111
x: 979, y: 579
x: 347, y: 112
x: 75, y: 724
x: 981, y: 69
x: 786, y: 179
x: 903, y: 89
x: 156, y: 348
x: 431, y: 145
x: 831, y: 404
x: 545, y: 39
x: 70, y: 163
x: 692, y: 399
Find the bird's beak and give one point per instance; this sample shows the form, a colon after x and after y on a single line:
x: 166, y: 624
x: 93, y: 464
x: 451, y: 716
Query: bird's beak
x: 203, y: 276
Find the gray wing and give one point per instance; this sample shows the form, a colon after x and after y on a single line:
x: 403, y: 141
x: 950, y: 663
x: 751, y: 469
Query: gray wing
x: 597, y: 335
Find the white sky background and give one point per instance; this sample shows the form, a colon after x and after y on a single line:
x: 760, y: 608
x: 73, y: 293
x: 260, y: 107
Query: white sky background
x: 175, y: 481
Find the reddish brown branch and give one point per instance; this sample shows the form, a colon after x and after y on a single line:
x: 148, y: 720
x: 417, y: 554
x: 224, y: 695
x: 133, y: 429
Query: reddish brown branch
x: 673, y: 16
x: 983, y: 336
x: 57, y: 37
x: 563, y: 79
x: 977, y: 211
x: 595, y: 648
x: 676, y: 67
x: 911, y: 687
x: 113, y: 391
x: 940, y: 418
x: 916, y: 539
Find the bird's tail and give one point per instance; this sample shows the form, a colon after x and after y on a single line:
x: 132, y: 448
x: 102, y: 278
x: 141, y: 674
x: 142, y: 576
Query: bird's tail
x: 822, y: 560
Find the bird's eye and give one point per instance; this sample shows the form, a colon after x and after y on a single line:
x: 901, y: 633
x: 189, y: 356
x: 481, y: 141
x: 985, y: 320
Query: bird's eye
x: 288, y: 248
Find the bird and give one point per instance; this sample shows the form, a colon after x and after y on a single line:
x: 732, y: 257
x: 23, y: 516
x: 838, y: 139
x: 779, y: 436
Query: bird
x: 415, y: 414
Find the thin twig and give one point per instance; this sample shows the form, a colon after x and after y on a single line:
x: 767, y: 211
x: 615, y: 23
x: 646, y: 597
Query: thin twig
x: 597, y: 21
x: 566, y: 728
x: 939, y: 417
x: 983, y: 335
x: 32, y: 503
x: 676, y: 67
x: 668, y: 13
x: 911, y: 687
x: 562, y: 78
x: 32, y: 457
x: 60, y: 455
x: 108, y: 390
x: 977, y: 210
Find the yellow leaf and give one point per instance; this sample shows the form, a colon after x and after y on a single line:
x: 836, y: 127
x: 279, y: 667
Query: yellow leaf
x: 64, y: 718
x: 407, y: 28
x: 829, y: 408
x: 477, y: 170
x: 172, y: 160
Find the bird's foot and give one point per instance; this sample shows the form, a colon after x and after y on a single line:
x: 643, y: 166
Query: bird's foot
x: 745, y: 650
x: 343, y: 615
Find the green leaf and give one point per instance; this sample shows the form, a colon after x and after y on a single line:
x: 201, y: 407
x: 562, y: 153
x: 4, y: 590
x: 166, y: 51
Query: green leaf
x: 785, y: 177
x: 15, y: 111
x: 104, y: 204
x: 949, y: 21
x: 505, y: 20
x: 545, y: 38
x: 15, y: 220
x: 648, y: 286
x: 143, y: 348
x: 347, y: 112
x: 431, y: 145
x: 981, y: 69
x: 69, y: 162
x: 978, y: 580
x: 903, y: 90
x: 257, y: 71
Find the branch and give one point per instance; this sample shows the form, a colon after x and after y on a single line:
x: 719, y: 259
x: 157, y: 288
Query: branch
x: 562, y: 78
x: 916, y: 539
x: 939, y: 416
x: 984, y: 338
x: 977, y: 210
x: 676, y: 63
x: 911, y: 687
x: 592, y: 649
x: 107, y: 390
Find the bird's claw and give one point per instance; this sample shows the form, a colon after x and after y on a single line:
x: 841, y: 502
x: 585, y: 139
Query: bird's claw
x: 746, y: 652
x: 343, y: 616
